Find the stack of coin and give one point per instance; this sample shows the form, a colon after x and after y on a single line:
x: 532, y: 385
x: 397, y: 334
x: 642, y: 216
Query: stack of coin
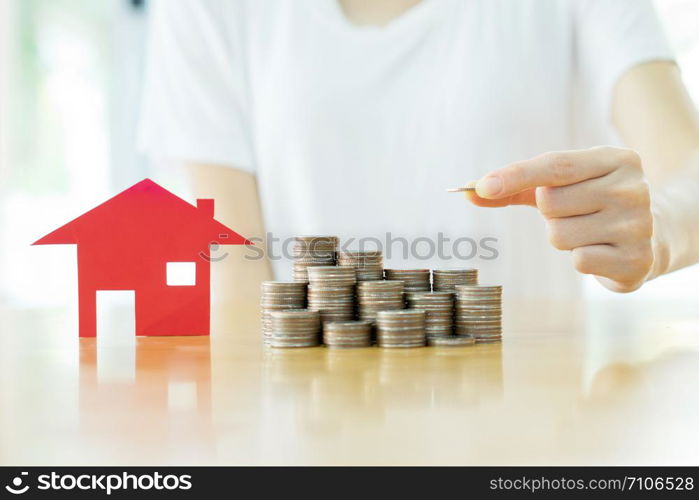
x: 374, y: 296
x: 345, y: 334
x: 479, y: 312
x: 295, y: 328
x: 439, y: 309
x: 313, y: 251
x: 451, y: 341
x: 446, y: 279
x: 277, y: 296
x: 414, y: 280
x: 331, y: 276
x: 369, y: 264
x: 404, y: 328
x: 333, y: 304
x: 331, y: 292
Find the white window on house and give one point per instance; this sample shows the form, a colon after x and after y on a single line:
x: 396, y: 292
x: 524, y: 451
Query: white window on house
x: 181, y: 273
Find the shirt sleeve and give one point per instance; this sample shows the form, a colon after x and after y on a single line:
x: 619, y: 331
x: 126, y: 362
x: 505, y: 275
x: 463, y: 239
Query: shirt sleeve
x: 195, y: 98
x: 613, y: 36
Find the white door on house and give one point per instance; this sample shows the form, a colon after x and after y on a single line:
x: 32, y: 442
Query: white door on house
x: 116, y: 335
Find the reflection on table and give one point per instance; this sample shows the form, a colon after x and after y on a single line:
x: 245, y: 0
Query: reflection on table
x: 571, y: 383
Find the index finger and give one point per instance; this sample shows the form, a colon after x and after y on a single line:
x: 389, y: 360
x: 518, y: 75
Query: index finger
x: 550, y: 169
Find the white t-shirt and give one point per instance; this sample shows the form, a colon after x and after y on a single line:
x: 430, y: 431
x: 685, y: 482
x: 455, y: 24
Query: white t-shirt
x: 357, y: 131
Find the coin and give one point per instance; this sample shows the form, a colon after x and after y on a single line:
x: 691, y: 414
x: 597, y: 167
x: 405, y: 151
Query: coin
x: 347, y: 334
x: 400, y: 328
x: 414, y: 280
x: 478, y: 312
x: 444, y: 280
x: 276, y: 296
x: 295, y: 328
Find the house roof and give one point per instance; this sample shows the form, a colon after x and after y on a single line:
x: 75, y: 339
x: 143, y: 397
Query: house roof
x: 140, y: 211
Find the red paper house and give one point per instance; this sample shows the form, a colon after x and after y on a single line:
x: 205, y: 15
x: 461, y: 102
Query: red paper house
x: 130, y: 241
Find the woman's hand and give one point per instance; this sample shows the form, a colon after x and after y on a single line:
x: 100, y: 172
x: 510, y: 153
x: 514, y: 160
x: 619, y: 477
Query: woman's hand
x: 596, y: 203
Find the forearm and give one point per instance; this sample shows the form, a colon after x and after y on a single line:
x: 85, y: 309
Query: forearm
x: 676, y: 211
x: 237, y: 271
x: 655, y: 116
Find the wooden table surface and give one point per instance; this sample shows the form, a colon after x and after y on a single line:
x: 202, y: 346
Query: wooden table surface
x: 585, y: 383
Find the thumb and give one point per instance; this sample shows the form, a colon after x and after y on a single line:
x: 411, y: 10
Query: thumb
x: 526, y: 197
